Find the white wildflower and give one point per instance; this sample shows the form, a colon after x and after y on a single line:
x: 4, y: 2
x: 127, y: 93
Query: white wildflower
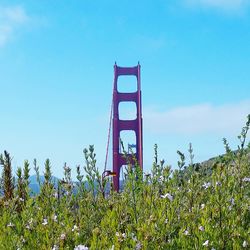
x: 167, y: 195
x: 213, y: 248
x: 81, y: 247
x: 232, y: 201
x: 202, y: 206
x: 112, y: 248
x: 28, y: 227
x: 244, y: 244
x: 10, y: 224
x: 117, y: 234
x: 201, y: 228
x: 124, y: 235
x: 21, y: 199
x: 246, y: 179
x: 166, y: 221
x: 161, y: 178
x: 45, y: 222
x: 232, y: 204
x: 56, y: 195
x: 134, y: 237
x: 63, y: 236
x: 74, y: 228
x: 55, y: 218
x: 218, y: 183
x: 206, y: 185
x: 206, y: 243
x: 186, y: 232
x: 55, y: 247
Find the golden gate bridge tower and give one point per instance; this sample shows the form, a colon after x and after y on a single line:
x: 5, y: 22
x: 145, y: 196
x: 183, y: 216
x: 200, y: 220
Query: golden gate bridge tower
x: 119, y: 125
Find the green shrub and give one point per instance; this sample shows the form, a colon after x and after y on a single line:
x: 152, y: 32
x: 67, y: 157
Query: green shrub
x: 198, y: 206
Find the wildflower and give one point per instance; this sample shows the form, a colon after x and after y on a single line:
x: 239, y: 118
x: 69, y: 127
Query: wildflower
x: 244, y: 244
x: 45, y: 222
x: 218, y: 183
x: 112, y: 248
x: 161, y: 178
x: 206, y: 243
x: 166, y: 221
x: 28, y: 227
x: 232, y: 204
x: 63, y: 236
x: 186, y: 232
x: 124, y: 235
x: 81, y: 247
x: 232, y: 201
x: 202, y: 206
x: 23, y: 240
x: 246, y: 179
x: 10, y: 224
x: 206, y: 185
x: 117, y: 234
x: 201, y: 228
x: 55, y: 247
x: 167, y: 195
x: 74, y: 228
x: 138, y: 246
x: 55, y: 218
x: 134, y: 237
x: 21, y: 199
x: 56, y: 195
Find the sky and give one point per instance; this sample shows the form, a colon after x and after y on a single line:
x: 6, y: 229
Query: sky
x: 56, y: 76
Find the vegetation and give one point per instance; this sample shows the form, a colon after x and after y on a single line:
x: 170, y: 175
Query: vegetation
x: 194, y: 207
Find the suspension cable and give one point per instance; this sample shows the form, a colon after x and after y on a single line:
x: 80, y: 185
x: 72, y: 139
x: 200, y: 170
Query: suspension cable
x: 109, y: 132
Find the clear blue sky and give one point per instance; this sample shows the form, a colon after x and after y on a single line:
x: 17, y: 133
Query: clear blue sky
x: 56, y: 75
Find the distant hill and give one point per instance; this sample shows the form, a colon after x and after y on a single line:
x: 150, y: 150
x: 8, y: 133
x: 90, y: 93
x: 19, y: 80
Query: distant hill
x: 34, y: 185
x: 206, y: 166
x: 35, y: 189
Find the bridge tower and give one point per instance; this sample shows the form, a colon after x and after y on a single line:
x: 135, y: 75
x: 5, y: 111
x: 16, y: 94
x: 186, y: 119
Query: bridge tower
x: 129, y: 125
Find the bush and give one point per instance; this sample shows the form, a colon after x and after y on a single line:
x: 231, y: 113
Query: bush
x: 199, y: 206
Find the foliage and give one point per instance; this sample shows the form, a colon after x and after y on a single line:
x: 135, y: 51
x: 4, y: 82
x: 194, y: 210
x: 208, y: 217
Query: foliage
x: 193, y: 207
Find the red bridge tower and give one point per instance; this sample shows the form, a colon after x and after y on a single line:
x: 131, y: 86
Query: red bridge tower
x: 120, y: 125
